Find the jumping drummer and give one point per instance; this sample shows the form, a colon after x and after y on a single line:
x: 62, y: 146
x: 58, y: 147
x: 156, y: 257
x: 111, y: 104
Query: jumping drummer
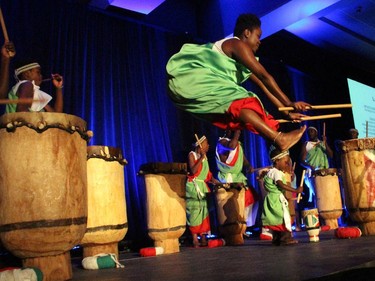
x: 230, y: 161
x: 29, y: 79
x: 205, y: 81
x: 314, y: 156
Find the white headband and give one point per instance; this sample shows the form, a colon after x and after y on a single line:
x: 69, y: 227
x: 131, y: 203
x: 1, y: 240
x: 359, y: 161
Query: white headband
x: 281, y: 155
x: 26, y: 67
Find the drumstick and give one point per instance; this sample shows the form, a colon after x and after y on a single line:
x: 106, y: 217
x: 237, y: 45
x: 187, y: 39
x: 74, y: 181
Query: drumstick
x: 301, y: 184
x: 324, y: 129
x: 5, y: 32
x: 196, y: 137
x: 317, y: 117
x: 21, y: 101
x: 328, y: 106
x: 261, y: 168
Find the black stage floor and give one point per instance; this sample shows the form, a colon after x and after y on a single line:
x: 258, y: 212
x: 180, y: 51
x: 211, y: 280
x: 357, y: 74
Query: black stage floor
x: 329, y: 259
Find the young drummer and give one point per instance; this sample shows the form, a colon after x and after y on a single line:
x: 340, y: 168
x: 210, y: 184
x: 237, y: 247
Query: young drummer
x: 276, y: 215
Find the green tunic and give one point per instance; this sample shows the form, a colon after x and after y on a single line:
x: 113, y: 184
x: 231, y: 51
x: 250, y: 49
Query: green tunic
x: 316, y: 155
x: 196, y: 200
x: 275, y: 207
x: 203, y: 81
x: 231, y: 173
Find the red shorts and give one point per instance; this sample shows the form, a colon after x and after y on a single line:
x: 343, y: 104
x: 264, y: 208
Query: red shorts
x: 231, y: 120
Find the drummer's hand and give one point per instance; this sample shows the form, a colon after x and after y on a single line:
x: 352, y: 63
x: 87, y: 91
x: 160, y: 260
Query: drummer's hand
x: 301, y: 105
x: 250, y: 170
x: 8, y: 50
x: 296, y: 117
x: 57, y: 80
x: 299, y: 189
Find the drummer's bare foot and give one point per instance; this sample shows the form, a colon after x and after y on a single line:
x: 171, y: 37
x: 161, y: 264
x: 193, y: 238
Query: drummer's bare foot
x: 195, y: 241
x: 286, y: 140
x: 203, y: 241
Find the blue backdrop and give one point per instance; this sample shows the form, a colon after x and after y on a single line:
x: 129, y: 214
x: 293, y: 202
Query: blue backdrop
x: 114, y: 73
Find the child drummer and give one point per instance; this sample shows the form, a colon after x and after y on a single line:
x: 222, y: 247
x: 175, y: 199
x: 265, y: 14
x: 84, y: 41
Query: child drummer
x: 276, y: 215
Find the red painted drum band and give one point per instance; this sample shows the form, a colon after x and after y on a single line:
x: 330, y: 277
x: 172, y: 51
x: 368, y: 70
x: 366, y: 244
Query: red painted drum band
x: 358, y: 163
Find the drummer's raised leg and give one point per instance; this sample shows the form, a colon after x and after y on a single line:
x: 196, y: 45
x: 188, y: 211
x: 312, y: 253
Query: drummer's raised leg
x: 284, y: 141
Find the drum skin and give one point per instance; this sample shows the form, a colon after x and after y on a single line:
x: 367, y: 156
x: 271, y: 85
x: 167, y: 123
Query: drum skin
x: 358, y: 173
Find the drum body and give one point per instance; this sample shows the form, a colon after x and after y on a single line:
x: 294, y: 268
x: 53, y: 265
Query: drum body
x: 328, y: 196
x: 230, y: 210
x: 107, y: 222
x: 43, y: 188
x: 310, y: 218
x: 165, y: 203
x: 358, y: 173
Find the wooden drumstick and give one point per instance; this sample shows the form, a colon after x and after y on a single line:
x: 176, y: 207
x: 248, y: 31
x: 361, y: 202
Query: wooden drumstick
x: 324, y: 129
x: 20, y: 101
x: 196, y: 137
x: 261, y: 168
x: 328, y: 106
x: 11, y: 53
x: 5, y: 32
x: 301, y: 184
x: 317, y: 117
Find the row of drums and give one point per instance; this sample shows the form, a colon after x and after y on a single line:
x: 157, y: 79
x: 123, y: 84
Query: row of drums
x: 56, y: 192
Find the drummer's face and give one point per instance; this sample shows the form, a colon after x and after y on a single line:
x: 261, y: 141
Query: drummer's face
x: 312, y: 134
x: 284, y: 164
x: 36, y: 75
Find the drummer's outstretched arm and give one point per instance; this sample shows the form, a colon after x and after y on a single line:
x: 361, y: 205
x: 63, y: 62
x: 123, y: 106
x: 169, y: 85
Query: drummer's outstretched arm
x: 58, y: 82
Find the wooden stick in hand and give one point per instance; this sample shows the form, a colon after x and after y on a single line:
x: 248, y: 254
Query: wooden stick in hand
x: 307, y: 118
x: 5, y: 32
x: 328, y: 106
x: 301, y: 184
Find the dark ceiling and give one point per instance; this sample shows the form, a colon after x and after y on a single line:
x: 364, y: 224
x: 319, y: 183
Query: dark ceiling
x: 342, y: 27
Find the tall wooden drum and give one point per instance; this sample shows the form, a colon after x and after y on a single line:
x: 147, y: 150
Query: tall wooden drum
x: 358, y: 173
x: 107, y: 222
x: 328, y: 196
x: 165, y: 203
x: 43, y: 189
x: 230, y: 199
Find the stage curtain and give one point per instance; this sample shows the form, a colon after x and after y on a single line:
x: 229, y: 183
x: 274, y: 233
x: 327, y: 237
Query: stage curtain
x: 115, y: 79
